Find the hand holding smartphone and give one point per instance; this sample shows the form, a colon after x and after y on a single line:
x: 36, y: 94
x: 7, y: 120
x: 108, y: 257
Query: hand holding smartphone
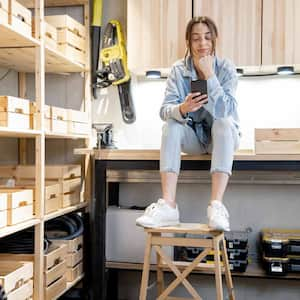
x: 199, y: 86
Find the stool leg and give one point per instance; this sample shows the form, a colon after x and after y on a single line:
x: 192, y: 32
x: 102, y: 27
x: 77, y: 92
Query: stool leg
x: 146, y: 268
x: 228, y: 277
x: 218, y: 271
x: 160, y: 274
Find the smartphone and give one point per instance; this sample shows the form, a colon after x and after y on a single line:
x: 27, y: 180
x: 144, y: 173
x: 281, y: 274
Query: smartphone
x: 199, y: 86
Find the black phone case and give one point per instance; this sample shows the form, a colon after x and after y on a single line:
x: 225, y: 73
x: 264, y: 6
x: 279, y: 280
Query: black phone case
x: 199, y: 86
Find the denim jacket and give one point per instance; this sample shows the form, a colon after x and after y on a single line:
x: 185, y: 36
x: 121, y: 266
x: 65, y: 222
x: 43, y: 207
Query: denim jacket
x: 221, y: 88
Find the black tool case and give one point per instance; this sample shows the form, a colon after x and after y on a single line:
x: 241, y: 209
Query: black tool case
x: 280, y: 242
x: 236, y: 239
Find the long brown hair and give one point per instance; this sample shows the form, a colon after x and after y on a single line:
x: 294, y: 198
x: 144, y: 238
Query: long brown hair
x: 188, y: 33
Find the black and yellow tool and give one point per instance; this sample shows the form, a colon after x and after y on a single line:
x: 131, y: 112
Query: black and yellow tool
x: 113, y: 58
x: 96, y: 39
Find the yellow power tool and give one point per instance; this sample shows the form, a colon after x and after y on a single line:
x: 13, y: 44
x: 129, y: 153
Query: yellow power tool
x: 113, y: 59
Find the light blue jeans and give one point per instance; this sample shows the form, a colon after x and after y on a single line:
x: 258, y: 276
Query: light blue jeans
x: 178, y: 137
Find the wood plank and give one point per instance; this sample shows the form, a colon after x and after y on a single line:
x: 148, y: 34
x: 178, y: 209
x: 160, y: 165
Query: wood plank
x: 154, y: 154
x: 7, y: 132
x: 277, y: 134
x: 277, y: 147
x: 18, y: 227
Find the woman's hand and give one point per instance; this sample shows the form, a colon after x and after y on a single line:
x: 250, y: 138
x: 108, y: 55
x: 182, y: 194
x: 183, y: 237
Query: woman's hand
x: 192, y: 102
x: 205, y: 66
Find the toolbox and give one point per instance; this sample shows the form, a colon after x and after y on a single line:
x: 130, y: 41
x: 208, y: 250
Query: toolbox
x: 280, y: 242
x: 236, y: 239
x: 238, y: 265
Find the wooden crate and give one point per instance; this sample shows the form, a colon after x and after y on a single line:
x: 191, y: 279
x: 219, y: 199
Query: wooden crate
x: 59, y: 122
x: 24, y: 292
x: 72, y: 245
x: 55, y: 272
x: 277, y: 141
x: 20, y: 17
x: 3, y: 201
x: 4, y: 11
x: 55, y: 254
x: 75, y: 272
x: 78, y: 122
x: 19, y: 205
x: 56, y: 288
x: 52, y: 198
x: 50, y: 34
x: 33, y: 116
x: 65, y: 36
x: 14, y: 112
x: 65, y: 21
x: 72, y: 53
x: 14, y: 274
x: 73, y: 258
x: 70, y: 199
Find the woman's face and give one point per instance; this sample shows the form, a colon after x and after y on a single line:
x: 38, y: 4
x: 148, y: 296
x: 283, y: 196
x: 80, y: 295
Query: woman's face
x: 201, y: 42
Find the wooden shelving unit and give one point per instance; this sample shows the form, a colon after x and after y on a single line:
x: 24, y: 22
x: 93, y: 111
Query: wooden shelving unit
x: 27, y: 54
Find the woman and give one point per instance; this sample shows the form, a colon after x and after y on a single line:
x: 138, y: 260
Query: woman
x: 197, y: 124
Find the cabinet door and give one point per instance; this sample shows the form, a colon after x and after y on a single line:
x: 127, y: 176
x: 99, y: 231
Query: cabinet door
x: 239, y: 26
x: 281, y: 32
x: 156, y: 32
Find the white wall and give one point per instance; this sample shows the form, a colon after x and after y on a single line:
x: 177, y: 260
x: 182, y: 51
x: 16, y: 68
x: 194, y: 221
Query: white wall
x: 264, y: 101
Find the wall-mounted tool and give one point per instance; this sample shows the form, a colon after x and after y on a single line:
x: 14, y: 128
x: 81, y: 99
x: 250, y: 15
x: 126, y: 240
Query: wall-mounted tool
x: 96, y: 39
x: 104, y: 135
x: 114, y: 69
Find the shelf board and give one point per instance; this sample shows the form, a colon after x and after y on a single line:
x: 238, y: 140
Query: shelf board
x: 64, y: 211
x: 253, y: 270
x: 18, y: 227
x: 7, y: 132
x: 14, y: 38
x: 70, y: 285
x: 18, y: 52
x: 52, y: 135
x: 54, y: 3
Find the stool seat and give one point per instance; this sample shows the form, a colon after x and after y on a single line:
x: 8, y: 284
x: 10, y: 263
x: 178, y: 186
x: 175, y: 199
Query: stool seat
x: 212, y: 240
x: 192, y: 228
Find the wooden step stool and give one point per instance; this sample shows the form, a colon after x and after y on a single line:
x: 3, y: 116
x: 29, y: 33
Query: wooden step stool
x: 156, y: 240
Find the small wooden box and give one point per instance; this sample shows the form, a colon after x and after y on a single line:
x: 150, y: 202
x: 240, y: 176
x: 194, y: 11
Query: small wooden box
x: 52, y: 197
x: 75, y: 272
x: 14, y: 274
x: 59, y: 122
x: 19, y: 205
x: 20, y: 17
x: 64, y: 21
x: 74, y: 258
x: 55, y: 255
x: 72, y: 53
x: 70, y: 199
x: 3, y: 201
x: 65, y: 36
x: 4, y: 11
x: 73, y: 245
x: 78, y: 122
x: 277, y: 141
x: 56, y: 288
x: 55, y: 272
x: 25, y: 291
x: 50, y: 34
x: 14, y: 112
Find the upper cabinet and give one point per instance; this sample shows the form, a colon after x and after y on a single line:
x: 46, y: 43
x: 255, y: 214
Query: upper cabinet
x: 239, y: 26
x: 281, y: 32
x: 156, y: 32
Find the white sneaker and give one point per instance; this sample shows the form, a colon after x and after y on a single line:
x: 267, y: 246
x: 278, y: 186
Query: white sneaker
x: 159, y: 214
x: 218, y: 216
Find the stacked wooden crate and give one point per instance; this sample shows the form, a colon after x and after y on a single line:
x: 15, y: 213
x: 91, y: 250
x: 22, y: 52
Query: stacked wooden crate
x: 55, y: 267
x: 15, y: 113
x: 17, y: 279
x: 74, y: 256
x: 277, y: 140
x: 18, y: 205
x: 70, y: 37
x: 20, y: 17
x: 4, y: 11
x: 67, y: 177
